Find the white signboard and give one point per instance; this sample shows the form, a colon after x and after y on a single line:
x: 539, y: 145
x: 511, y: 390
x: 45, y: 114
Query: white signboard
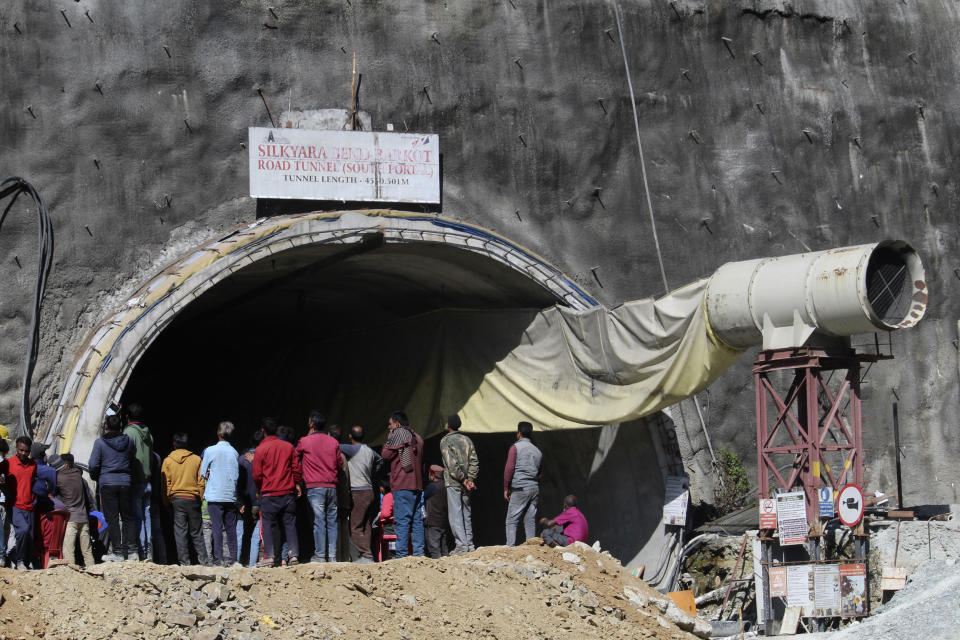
x: 826, y: 590
x: 369, y: 166
x: 676, y: 499
x: 800, y: 587
x: 791, y: 518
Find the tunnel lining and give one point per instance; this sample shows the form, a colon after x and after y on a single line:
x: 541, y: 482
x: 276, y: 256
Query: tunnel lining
x: 112, y: 350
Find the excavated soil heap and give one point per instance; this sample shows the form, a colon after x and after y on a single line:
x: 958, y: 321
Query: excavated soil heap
x: 526, y: 592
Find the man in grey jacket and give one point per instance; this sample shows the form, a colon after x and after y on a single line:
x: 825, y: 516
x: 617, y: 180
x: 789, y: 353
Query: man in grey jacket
x: 521, y: 484
x: 362, y: 463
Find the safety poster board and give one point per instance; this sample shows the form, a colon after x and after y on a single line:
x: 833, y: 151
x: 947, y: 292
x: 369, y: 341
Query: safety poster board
x: 853, y: 590
x: 822, y: 590
x: 676, y: 499
x: 791, y: 518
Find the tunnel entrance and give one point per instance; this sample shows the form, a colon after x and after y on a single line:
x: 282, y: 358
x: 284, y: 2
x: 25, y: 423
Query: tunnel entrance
x: 355, y: 331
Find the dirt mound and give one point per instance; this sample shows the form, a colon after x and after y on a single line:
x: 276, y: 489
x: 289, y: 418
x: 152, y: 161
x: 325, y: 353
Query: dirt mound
x: 526, y: 592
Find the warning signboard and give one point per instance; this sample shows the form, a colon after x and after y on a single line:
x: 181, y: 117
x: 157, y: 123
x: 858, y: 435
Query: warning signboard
x: 768, y: 513
x: 791, y: 518
x: 778, y: 582
x: 850, y: 505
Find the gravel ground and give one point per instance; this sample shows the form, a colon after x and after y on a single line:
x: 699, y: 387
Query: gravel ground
x: 528, y: 592
x: 927, y: 609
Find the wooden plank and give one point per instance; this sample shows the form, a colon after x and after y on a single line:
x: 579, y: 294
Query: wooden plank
x: 900, y: 515
x: 893, y: 579
x: 791, y: 616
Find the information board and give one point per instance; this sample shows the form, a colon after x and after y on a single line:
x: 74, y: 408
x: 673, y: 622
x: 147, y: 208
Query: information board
x: 791, y: 518
x: 676, y: 498
x: 853, y: 589
x: 826, y: 590
x: 800, y: 587
x: 369, y: 166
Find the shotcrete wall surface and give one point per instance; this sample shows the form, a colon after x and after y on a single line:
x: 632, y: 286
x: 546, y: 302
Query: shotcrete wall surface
x: 769, y: 128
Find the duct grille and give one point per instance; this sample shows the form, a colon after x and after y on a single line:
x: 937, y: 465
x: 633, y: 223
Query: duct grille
x: 888, y: 290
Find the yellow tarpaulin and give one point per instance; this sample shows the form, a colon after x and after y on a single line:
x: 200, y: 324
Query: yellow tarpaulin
x: 601, y: 366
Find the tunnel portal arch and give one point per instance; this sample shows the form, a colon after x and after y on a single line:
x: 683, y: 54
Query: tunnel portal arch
x: 112, y: 350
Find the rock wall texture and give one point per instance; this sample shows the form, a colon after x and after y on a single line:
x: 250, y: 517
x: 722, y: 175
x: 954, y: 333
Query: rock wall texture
x: 768, y: 128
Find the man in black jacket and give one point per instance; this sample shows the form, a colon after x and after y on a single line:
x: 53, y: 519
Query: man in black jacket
x: 110, y: 464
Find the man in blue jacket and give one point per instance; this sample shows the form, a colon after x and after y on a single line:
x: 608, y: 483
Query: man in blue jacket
x: 110, y: 465
x: 221, y: 469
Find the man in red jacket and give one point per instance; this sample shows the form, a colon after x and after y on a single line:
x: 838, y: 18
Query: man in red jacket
x: 404, y: 450
x: 19, y: 473
x: 321, y: 460
x: 276, y: 472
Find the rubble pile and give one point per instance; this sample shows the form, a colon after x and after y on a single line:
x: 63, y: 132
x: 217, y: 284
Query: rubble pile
x: 526, y: 592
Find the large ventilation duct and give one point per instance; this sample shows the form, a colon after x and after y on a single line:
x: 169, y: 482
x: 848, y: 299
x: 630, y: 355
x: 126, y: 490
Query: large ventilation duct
x: 793, y: 300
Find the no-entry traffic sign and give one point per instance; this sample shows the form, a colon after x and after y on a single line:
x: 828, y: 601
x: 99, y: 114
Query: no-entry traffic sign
x: 850, y: 505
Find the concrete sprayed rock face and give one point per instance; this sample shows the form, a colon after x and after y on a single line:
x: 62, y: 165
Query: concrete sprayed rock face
x: 768, y: 128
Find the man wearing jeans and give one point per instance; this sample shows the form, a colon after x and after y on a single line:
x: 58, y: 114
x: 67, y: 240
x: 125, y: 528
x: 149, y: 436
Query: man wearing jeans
x: 141, y: 491
x: 19, y: 473
x: 110, y: 462
x: 220, y: 470
x: 404, y: 451
x: 521, y: 484
x: 460, y: 469
x: 320, y: 461
x: 276, y: 472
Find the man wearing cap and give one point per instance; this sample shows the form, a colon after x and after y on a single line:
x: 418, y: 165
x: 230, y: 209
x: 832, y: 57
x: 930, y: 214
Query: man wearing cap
x: 45, y: 484
x: 435, y: 522
x: 461, y: 467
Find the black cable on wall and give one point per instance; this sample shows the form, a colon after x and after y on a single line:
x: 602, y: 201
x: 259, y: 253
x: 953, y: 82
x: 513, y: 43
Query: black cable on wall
x: 13, y: 188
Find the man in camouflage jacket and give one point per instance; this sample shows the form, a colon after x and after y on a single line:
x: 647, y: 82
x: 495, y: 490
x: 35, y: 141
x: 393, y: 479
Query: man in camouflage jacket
x: 461, y: 467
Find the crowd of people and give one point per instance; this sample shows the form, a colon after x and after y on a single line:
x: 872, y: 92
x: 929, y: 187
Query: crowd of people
x: 229, y: 506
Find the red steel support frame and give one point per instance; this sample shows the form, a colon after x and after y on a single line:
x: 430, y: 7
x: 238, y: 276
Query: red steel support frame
x: 814, y: 426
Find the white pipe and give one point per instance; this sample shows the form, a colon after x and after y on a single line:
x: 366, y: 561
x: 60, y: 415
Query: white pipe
x: 782, y: 302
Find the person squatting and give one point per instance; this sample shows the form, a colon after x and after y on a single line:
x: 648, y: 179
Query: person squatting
x: 252, y: 504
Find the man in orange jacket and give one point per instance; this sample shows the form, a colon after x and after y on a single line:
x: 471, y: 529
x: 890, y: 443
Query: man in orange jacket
x: 182, y: 489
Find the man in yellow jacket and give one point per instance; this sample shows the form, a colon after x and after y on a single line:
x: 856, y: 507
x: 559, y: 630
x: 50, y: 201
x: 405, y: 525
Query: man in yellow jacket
x: 182, y: 489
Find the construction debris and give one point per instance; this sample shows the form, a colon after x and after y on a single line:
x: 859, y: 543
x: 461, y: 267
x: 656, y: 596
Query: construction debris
x: 524, y: 593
